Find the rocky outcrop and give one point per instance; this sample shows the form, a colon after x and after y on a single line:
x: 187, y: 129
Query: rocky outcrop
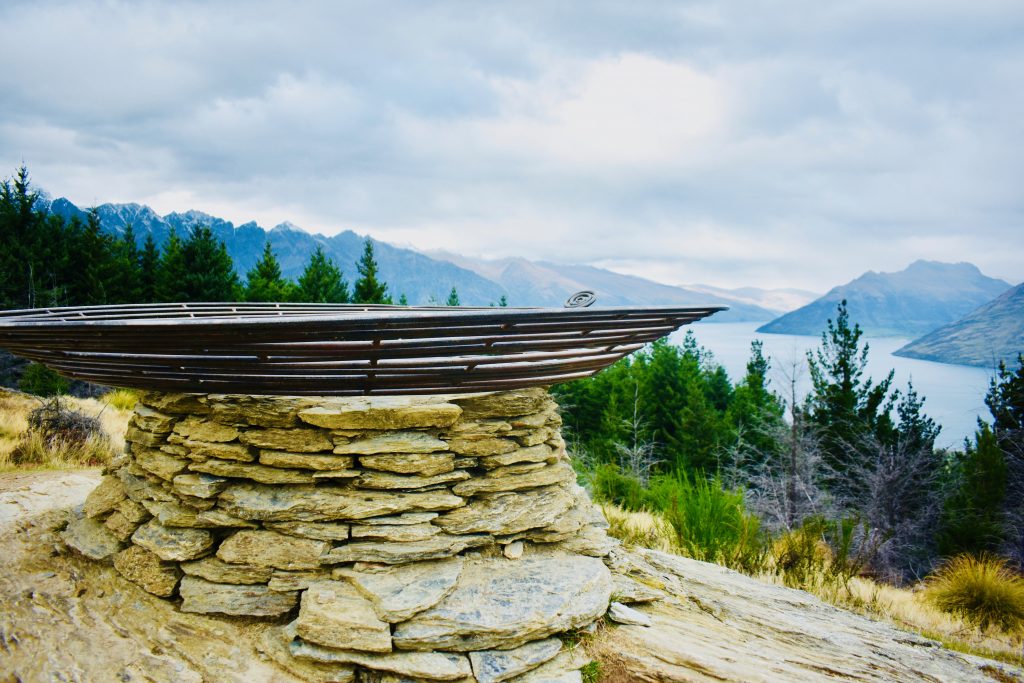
x: 66, y: 617
x: 421, y: 538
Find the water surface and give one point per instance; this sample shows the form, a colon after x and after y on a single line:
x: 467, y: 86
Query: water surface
x: 954, y: 393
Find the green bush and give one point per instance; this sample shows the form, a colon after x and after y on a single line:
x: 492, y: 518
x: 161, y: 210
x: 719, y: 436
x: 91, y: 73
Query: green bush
x: 982, y: 590
x: 822, y: 552
x: 42, y: 381
x: 609, y: 485
x: 711, y: 523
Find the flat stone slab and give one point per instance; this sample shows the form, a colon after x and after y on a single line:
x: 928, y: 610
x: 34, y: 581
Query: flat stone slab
x: 309, y: 504
x: 91, y: 538
x: 323, y: 531
x: 309, y: 461
x: 159, y: 463
x: 385, y: 412
x: 151, y: 420
x: 259, y: 473
x: 423, y: 464
x: 399, y: 593
x: 504, y: 403
x: 621, y: 614
x: 171, y: 543
x: 203, y: 430
x: 175, y: 515
x: 205, y: 597
x: 502, y: 479
x: 105, y: 497
x: 387, y: 480
x: 493, y: 666
x: 539, y: 453
x: 199, y: 485
x: 265, y: 548
x: 477, y: 446
x: 292, y: 440
x: 416, y: 666
x: 388, y: 552
x: 148, y: 571
x: 200, y: 450
x: 335, y: 614
x: 392, y: 442
x: 509, y: 513
x: 403, y: 533
x: 216, y: 570
x: 500, y: 603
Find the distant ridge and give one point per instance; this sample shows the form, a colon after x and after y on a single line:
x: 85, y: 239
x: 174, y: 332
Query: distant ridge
x: 548, y: 284
x: 989, y: 334
x: 421, y: 277
x: 911, y: 302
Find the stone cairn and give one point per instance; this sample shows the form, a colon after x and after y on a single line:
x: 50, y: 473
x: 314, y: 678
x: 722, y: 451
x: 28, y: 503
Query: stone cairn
x: 399, y: 538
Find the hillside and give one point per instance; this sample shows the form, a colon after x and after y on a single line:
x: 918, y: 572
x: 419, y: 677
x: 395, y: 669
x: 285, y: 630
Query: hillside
x: 983, y: 337
x: 68, y: 618
x: 911, y: 302
x: 779, y: 301
x: 408, y: 272
x: 543, y: 283
x: 421, y: 277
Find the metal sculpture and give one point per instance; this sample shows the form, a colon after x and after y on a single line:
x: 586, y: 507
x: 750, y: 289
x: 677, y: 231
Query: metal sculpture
x: 333, y: 349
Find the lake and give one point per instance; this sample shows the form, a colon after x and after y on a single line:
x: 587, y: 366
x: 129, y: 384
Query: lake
x: 954, y: 394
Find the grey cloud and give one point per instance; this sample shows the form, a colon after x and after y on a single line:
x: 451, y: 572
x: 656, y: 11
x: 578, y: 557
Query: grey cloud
x: 851, y: 136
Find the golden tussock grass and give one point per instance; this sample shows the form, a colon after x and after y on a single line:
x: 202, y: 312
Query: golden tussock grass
x: 21, y: 448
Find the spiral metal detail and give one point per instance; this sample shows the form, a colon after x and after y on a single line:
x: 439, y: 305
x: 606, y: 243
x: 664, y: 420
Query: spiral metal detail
x: 582, y: 299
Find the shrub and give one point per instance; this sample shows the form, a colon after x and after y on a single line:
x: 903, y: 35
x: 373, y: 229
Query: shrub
x: 609, y: 485
x: 42, y: 381
x: 822, y: 553
x: 58, y: 435
x: 711, y: 523
x: 982, y: 590
x: 122, y: 399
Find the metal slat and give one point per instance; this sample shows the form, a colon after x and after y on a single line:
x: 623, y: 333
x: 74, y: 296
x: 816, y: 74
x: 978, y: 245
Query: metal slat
x: 332, y: 349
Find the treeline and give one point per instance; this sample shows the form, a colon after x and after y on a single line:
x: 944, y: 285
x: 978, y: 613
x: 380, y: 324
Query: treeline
x: 667, y: 427
x: 49, y: 261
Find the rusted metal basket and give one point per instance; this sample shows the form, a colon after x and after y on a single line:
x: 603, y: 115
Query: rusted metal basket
x: 332, y: 349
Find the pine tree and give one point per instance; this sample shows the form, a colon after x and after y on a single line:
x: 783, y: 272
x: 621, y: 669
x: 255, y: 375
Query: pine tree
x: 503, y: 301
x: 755, y: 412
x: 94, y: 272
x: 368, y: 289
x: 170, y: 280
x: 209, y: 271
x: 453, y: 298
x: 264, y: 281
x: 846, y: 407
x: 149, y: 271
x: 321, y: 281
x: 1005, y: 400
x: 403, y: 300
x: 127, y: 273
x: 974, y: 517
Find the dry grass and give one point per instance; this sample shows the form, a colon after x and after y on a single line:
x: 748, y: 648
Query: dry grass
x: 15, y: 436
x: 907, y: 609
x: 642, y: 529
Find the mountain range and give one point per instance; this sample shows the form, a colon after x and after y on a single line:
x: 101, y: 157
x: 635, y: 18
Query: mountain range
x: 422, y: 277
x: 991, y: 333
x: 924, y: 296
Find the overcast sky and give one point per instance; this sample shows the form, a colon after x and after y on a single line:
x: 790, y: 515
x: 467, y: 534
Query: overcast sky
x: 751, y: 143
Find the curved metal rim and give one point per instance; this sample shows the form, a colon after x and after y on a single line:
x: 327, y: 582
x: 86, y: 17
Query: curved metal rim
x: 333, y: 349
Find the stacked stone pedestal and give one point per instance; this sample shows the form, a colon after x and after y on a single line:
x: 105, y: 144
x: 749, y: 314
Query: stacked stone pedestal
x: 400, y: 538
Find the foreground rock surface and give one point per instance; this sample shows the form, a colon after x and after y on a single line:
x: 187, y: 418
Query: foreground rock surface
x: 68, y: 618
